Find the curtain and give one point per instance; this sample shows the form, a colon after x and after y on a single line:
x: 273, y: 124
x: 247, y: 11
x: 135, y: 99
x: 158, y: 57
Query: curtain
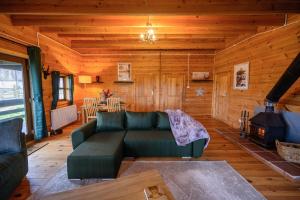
x: 39, y: 119
x: 55, y: 88
x: 71, y: 88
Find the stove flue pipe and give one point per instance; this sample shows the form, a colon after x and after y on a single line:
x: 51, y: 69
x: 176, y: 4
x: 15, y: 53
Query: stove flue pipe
x: 288, y: 78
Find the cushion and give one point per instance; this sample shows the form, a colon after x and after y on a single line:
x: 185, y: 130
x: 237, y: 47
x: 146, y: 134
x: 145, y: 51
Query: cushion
x: 10, y: 135
x: 163, y: 122
x: 153, y: 143
x: 140, y: 120
x: 110, y: 121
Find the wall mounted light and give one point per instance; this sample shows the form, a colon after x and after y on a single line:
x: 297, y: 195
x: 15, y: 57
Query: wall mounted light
x: 84, y: 79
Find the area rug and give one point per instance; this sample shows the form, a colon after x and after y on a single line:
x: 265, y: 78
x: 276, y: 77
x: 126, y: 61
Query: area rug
x: 187, y: 180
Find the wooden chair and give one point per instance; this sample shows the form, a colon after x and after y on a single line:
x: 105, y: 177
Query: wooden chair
x: 113, y: 105
x: 98, y: 99
x: 91, y: 108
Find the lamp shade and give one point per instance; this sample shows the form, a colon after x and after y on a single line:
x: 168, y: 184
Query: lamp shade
x: 84, y: 79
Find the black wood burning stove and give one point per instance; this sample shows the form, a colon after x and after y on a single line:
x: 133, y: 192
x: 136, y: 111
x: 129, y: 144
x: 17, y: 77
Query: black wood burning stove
x: 267, y: 127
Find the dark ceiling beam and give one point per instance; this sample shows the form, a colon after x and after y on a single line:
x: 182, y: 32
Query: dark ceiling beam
x: 135, y: 36
x: 209, y: 29
x: 204, y: 52
x: 137, y: 21
x: 148, y: 7
x: 159, y: 44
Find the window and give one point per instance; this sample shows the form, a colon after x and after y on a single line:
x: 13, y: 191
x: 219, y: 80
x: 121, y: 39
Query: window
x: 14, y: 89
x: 11, y: 90
x: 63, y: 88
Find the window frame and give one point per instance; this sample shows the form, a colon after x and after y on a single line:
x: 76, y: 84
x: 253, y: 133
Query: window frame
x: 27, y: 92
x: 64, y: 88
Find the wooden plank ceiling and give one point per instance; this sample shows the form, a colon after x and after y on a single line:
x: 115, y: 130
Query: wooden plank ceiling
x: 146, y: 7
x: 99, y: 26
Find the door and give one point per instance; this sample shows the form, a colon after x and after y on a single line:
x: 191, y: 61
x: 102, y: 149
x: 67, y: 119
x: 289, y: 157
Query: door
x: 145, y: 92
x: 221, y: 96
x: 172, y: 91
x: 15, y: 92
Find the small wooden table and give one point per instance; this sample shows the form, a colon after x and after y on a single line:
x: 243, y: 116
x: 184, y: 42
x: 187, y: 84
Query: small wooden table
x: 128, y: 187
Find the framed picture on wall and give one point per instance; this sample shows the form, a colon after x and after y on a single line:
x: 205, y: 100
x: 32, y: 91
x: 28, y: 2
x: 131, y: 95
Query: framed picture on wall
x: 124, y: 72
x: 241, y: 76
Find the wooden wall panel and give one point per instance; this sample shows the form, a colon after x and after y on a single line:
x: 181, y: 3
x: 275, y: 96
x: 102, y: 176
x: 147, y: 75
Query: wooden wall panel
x: 269, y: 54
x: 11, y: 48
x: 55, y: 55
x: 21, y: 34
x: 106, y: 67
x: 58, y: 58
x: 152, y: 64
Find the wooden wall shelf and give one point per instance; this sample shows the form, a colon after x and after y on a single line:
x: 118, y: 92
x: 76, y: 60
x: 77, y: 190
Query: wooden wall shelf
x: 97, y: 82
x: 123, y: 82
x: 205, y: 80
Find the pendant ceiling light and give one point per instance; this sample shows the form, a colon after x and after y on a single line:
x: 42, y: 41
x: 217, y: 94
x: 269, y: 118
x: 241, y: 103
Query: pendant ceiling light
x: 148, y: 36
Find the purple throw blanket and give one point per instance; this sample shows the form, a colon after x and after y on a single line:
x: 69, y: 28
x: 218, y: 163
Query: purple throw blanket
x: 186, y: 129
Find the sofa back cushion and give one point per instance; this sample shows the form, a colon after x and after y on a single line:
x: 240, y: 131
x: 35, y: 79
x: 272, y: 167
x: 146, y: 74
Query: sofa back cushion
x: 140, y: 120
x: 110, y: 121
x: 11, y: 135
x: 163, y: 122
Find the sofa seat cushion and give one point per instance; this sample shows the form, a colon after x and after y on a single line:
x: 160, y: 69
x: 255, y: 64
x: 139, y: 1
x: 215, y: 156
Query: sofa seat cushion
x: 11, y: 167
x: 153, y: 143
x: 97, y: 157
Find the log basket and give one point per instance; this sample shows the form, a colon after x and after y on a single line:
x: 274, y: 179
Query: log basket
x: 289, y: 151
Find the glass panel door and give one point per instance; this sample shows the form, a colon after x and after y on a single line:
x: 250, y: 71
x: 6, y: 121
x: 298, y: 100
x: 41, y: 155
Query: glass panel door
x: 14, y: 92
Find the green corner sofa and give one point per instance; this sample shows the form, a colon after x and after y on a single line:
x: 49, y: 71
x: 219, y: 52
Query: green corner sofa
x: 100, y: 145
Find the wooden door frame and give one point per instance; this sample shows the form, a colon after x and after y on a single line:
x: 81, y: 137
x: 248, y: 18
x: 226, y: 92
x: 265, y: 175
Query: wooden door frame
x: 214, y: 100
x: 27, y: 91
x: 161, y: 95
x: 155, y: 89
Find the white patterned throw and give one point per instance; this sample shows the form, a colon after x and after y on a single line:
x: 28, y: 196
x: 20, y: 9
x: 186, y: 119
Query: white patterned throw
x: 185, y: 128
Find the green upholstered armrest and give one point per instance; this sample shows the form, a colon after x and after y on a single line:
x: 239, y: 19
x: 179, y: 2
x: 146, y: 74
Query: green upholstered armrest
x: 82, y: 133
x: 198, y: 147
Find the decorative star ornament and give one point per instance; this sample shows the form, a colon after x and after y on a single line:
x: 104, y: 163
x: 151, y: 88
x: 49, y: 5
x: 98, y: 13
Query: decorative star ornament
x: 200, y: 92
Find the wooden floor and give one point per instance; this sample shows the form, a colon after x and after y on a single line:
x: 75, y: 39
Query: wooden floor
x: 44, y: 163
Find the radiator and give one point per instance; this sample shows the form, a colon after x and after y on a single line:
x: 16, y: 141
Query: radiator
x: 63, y: 116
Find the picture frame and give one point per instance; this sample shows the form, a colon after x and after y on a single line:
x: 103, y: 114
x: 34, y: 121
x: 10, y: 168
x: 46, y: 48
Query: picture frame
x: 124, y: 71
x: 241, y: 76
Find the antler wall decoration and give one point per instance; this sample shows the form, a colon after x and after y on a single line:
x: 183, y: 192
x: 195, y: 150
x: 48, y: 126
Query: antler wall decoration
x: 46, y: 72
